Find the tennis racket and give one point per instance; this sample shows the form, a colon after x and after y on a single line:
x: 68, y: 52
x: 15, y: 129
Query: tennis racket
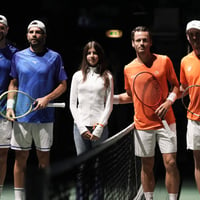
x: 192, y: 105
x: 23, y: 101
x: 148, y: 91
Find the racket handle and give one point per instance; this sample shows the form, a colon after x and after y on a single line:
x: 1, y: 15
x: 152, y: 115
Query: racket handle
x: 57, y: 105
x: 166, y: 126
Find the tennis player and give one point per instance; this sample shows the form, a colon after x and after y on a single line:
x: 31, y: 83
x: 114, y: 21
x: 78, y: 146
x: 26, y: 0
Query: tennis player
x: 190, y: 75
x: 38, y: 71
x: 91, y: 98
x: 148, y: 129
x: 6, y: 52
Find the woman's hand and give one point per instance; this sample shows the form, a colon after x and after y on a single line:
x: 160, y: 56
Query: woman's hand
x: 87, y: 135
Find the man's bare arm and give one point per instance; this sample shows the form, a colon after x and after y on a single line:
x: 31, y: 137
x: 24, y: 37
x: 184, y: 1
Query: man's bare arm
x: 123, y: 98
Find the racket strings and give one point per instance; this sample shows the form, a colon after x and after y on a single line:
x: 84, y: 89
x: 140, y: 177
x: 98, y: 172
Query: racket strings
x: 147, y: 89
x: 3, y: 105
x: 22, y: 106
x: 192, y: 103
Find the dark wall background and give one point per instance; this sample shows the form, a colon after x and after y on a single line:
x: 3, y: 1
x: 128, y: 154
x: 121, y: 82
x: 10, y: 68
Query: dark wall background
x: 70, y: 24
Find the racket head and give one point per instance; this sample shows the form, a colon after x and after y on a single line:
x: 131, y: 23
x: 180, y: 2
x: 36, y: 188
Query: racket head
x: 24, y: 103
x: 147, y: 89
x: 192, y: 105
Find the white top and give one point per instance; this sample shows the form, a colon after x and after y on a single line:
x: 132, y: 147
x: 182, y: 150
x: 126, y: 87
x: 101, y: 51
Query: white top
x: 90, y: 101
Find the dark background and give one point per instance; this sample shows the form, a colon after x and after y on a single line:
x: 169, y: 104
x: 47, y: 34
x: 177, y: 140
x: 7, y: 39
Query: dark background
x: 71, y: 24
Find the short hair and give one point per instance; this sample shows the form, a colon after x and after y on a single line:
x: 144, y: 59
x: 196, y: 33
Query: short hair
x: 142, y: 29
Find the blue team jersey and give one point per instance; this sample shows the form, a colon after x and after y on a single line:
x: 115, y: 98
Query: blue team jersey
x: 6, y: 55
x: 37, y: 75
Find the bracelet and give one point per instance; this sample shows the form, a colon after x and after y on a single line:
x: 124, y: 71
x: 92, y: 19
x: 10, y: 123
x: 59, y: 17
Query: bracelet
x: 97, y: 125
x: 10, y: 103
x: 172, y: 97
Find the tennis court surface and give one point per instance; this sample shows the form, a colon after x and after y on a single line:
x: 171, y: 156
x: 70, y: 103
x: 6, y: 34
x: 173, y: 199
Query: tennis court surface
x: 109, y: 172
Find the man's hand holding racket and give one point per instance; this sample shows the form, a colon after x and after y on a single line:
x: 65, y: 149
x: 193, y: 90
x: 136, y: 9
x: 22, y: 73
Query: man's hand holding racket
x: 10, y: 114
x: 40, y: 103
x: 163, y: 108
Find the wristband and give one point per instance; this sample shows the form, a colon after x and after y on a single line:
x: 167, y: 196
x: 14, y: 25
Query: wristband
x: 98, y: 131
x: 116, y: 99
x: 97, y: 125
x: 172, y: 97
x: 10, y: 103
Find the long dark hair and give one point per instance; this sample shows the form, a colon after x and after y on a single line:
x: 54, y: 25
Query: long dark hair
x: 101, y: 67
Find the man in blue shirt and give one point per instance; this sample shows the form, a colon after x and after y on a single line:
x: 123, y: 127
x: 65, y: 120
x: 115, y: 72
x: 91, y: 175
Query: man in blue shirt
x: 38, y: 71
x: 6, y: 52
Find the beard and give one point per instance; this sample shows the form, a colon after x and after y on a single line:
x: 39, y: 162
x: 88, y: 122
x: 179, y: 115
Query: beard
x: 2, y: 37
x: 36, y: 43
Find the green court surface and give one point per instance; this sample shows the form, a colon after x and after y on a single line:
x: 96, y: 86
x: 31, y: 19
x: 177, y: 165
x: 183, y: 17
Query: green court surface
x: 160, y: 192
x: 8, y: 192
x: 188, y: 190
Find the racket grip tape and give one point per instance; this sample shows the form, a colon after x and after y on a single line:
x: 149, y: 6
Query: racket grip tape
x: 58, y: 105
x: 169, y: 131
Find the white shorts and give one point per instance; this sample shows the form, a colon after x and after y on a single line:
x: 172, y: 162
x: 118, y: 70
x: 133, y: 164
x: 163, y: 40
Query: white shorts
x: 5, y: 133
x: 145, y: 141
x: 193, y: 135
x: 24, y: 133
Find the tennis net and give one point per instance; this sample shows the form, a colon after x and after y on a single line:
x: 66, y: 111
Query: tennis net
x: 110, y: 171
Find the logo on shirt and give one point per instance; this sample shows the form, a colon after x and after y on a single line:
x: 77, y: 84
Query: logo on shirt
x: 34, y: 61
x: 133, y: 76
x: 189, y: 68
x: 156, y: 72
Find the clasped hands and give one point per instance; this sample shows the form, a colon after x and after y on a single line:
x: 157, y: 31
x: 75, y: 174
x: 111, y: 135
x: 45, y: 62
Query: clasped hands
x: 96, y: 134
x: 89, y: 136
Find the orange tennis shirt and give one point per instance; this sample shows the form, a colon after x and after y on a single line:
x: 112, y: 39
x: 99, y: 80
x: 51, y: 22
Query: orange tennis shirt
x: 190, y: 75
x: 162, y: 68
